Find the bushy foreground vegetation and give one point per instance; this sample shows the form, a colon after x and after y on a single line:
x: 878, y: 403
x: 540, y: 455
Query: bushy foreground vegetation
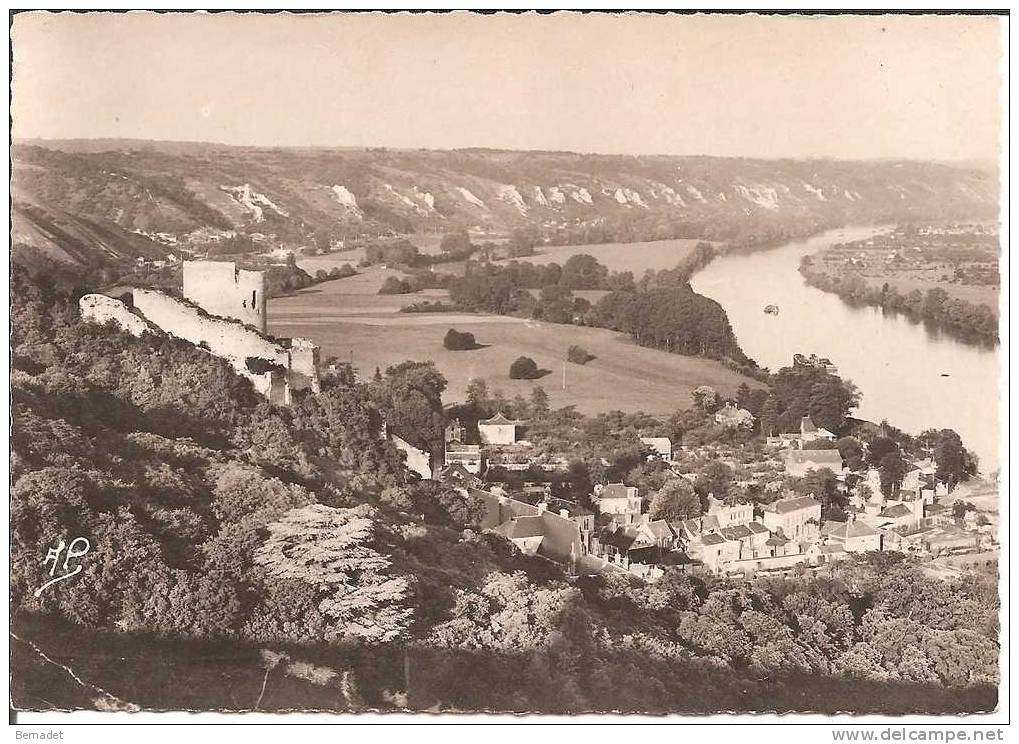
x: 292, y: 549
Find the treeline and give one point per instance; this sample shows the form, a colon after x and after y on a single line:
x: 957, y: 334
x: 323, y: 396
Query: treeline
x: 738, y: 230
x: 659, y: 311
x: 969, y: 320
x: 674, y: 319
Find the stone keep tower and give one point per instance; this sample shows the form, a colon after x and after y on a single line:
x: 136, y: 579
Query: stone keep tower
x: 220, y: 288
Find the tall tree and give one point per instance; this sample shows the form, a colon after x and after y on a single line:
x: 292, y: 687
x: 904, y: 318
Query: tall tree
x: 892, y: 470
x: 955, y: 463
x: 334, y: 550
x: 675, y: 500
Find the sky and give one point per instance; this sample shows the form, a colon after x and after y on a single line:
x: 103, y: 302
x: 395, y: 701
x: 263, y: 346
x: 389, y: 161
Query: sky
x: 920, y: 87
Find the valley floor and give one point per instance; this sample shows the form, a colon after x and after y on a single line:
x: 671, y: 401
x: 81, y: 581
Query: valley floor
x: 350, y: 321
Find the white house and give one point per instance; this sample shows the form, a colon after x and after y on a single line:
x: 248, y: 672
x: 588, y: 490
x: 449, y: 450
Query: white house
x: 498, y: 430
x: 730, y: 515
x: 798, y: 462
x: 790, y: 516
x: 715, y: 551
x: 661, y: 446
x: 621, y: 501
x: 855, y: 536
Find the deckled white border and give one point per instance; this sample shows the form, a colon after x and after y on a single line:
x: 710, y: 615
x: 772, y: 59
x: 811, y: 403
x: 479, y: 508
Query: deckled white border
x: 764, y: 728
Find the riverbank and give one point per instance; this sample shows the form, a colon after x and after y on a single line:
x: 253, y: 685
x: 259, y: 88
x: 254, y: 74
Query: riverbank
x: 944, y: 275
x: 907, y: 374
x: 966, y: 321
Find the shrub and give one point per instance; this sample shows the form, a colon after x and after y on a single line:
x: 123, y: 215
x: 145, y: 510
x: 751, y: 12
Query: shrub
x: 393, y: 285
x: 578, y: 355
x: 259, y: 366
x: 524, y: 368
x: 457, y: 341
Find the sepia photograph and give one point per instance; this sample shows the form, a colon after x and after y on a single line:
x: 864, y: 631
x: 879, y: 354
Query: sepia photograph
x: 508, y: 367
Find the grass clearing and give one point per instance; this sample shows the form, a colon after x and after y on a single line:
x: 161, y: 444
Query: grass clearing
x: 635, y: 257
x: 349, y: 321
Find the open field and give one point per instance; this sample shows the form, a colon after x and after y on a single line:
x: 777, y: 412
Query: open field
x: 905, y: 282
x: 635, y: 257
x: 311, y: 264
x: 350, y: 321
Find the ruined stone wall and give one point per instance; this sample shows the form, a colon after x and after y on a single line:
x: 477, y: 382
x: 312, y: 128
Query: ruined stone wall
x: 227, y: 339
x: 304, y: 364
x: 220, y: 288
x: 100, y: 309
x: 418, y: 461
x: 232, y: 341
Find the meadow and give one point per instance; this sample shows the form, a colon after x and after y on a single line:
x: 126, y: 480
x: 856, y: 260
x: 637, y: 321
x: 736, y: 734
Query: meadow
x: 635, y: 257
x: 350, y: 321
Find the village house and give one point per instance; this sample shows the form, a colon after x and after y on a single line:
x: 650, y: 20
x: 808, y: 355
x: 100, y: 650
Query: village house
x: 622, y: 502
x: 821, y: 553
x: 808, y: 432
x: 740, y: 534
x: 854, y: 535
x: 458, y: 476
x: 730, y: 514
x: 791, y: 516
x: 454, y: 432
x: 498, y: 430
x: 660, y: 446
x: 779, y: 545
x: 732, y: 417
x: 799, y: 461
x: 897, y: 515
x: 752, y: 539
x: 559, y: 536
x: 951, y: 538
x: 714, y: 551
x: 690, y: 530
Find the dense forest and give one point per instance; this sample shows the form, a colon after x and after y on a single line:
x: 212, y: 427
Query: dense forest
x: 282, y: 558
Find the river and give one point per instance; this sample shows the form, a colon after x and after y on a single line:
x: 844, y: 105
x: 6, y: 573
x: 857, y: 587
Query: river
x: 913, y: 377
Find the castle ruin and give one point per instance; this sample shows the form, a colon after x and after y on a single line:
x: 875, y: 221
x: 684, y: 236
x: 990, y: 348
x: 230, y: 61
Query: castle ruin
x: 224, y: 313
x: 220, y: 288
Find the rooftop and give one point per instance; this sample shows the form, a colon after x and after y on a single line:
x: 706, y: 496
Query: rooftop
x: 712, y: 539
x: 899, y: 510
x: 821, y: 457
x: 854, y: 528
x: 497, y: 419
x: 785, y: 506
x: 615, y: 491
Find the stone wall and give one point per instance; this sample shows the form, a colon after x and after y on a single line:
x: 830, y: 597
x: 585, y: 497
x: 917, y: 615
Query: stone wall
x: 100, y: 309
x: 304, y: 364
x: 418, y: 461
x: 220, y: 288
x: 230, y: 340
x: 296, y: 366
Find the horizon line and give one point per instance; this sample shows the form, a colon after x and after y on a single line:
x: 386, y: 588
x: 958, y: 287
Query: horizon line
x: 985, y: 161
